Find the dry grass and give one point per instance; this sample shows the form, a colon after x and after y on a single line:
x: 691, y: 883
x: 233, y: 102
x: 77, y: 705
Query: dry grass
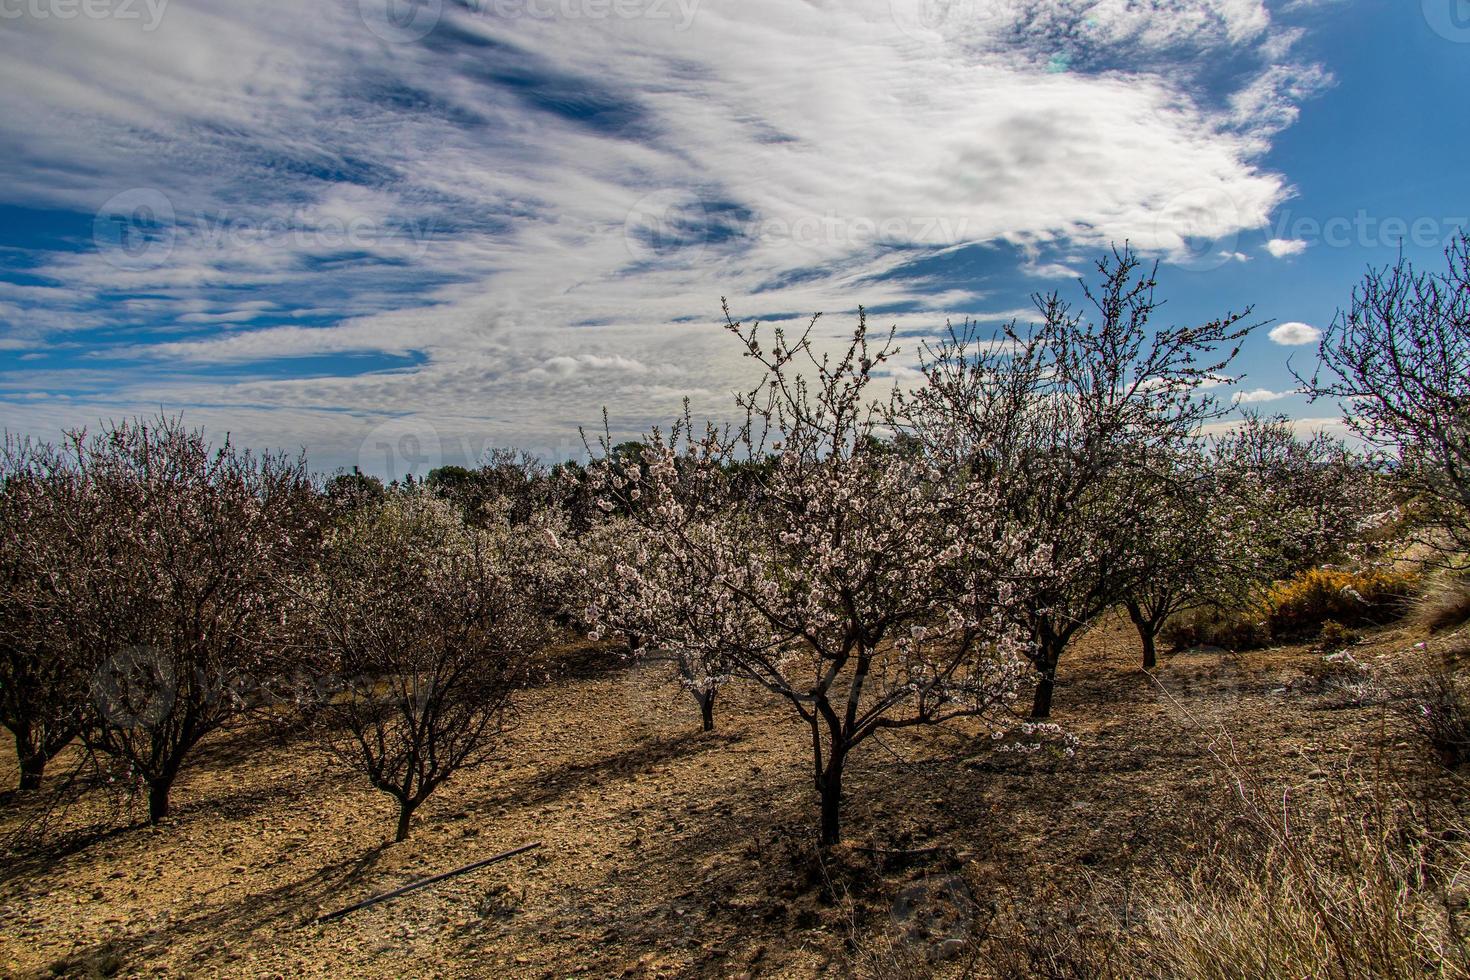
x: 1438, y: 707
x: 1446, y: 604
x: 1357, y: 880
x: 1367, y: 893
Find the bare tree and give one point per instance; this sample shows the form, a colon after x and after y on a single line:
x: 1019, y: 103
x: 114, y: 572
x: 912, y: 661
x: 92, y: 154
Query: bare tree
x: 1398, y: 362
x: 178, y: 552
x: 428, y: 627
x: 882, y: 591
x: 1078, y: 422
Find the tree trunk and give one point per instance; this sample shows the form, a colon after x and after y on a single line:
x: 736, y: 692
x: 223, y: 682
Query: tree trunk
x: 405, y: 813
x: 1147, y: 631
x: 830, y: 788
x: 158, y: 790
x: 1046, y: 665
x: 32, y: 766
x: 34, y: 755
x: 707, y: 710
x: 1050, y: 644
x: 32, y: 760
x: 1041, y: 705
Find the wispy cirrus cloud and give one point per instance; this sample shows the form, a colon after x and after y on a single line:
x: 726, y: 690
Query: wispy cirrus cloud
x: 513, y: 209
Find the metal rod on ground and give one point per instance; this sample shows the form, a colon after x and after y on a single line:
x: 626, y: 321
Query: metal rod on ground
x: 914, y: 852
x: 428, y: 881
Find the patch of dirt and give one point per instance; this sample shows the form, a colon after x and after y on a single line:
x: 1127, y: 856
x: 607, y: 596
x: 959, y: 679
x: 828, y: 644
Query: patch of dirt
x: 668, y: 852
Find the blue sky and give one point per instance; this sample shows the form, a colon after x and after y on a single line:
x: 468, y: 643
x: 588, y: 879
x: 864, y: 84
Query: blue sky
x: 400, y: 234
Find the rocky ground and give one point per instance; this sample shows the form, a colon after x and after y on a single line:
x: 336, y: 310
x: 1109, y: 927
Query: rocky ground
x: 669, y: 852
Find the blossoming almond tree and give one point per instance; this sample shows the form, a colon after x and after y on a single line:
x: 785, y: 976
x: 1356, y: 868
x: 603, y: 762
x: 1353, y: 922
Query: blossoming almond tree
x: 636, y: 588
x: 1308, y: 500
x: 176, y: 553
x: 1398, y: 363
x: 870, y: 589
x: 1197, y: 549
x: 1076, y: 422
x: 43, y: 676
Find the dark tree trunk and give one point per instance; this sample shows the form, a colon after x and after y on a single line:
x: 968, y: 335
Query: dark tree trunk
x: 1046, y: 666
x: 829, y: 785
x: 34, y: 756
x: 1041, y: 705
x: 1049, y: 645
x: 32, y: 767
x: 405, y: 814
x: 158, y: 790
x: 1147, y: 631
x: 32, y: 760
x: 707, y: 710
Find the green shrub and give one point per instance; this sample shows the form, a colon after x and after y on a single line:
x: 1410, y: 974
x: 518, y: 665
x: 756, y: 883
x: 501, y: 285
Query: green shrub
x: 1335, y: 636
x: 1230, y: 629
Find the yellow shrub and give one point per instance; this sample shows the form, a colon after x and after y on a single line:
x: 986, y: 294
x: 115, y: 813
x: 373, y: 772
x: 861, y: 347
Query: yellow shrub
x: 1300, y: 605
x: 1296, y: 608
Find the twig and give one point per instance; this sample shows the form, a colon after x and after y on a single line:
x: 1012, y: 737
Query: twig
x: 427, y: 881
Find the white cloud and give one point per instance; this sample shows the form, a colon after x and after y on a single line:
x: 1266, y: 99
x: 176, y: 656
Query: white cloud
x: 1259, y: 395
x: 1295, y: 334
x: 1282, y: 247
x: 1272, y: 101
x: 504, y: 193
x: 1053, y: 270
x: 1335, y: 426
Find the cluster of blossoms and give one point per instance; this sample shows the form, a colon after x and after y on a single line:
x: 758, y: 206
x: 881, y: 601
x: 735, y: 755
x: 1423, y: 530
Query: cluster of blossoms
x: 1030, y: 737
x: 664, y: 603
